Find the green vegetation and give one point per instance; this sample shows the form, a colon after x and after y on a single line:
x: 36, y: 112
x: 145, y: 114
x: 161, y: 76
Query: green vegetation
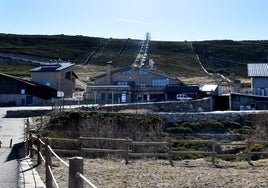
x: 151, y: 128
x: 57, y: 46
x: 223, y: 56
x: 209, y: 126
x: 17, y: 69
x: 175, y: 58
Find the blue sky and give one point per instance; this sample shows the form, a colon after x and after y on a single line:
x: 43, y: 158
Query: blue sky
x: 166, y: 20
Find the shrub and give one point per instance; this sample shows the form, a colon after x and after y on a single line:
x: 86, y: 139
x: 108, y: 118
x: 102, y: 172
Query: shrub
x: 246, y: 130
x: 195, y: 126
x: 210, y: 125
x: 257, y: 147
x: 176, y: 125
x: 231, y: 124
x: 179, y: 130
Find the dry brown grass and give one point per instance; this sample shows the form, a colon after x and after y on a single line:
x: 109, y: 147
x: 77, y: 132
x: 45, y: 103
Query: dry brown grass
x: 106, y: 173
x: 208, y: 80
x: 85, y: 72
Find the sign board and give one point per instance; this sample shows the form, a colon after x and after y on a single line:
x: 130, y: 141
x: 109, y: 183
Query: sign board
x: 60, y: 94
x: 78, y: 95
x: 22, y: 91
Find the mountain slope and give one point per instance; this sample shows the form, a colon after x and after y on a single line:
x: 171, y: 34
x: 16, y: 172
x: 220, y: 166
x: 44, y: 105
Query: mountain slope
x: 177, y: 58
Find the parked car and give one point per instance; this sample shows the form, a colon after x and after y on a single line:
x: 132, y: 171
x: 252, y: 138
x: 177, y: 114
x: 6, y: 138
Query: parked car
x: 183, y: 97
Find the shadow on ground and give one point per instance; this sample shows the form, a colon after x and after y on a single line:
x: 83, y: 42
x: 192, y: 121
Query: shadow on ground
x: 17, y: 152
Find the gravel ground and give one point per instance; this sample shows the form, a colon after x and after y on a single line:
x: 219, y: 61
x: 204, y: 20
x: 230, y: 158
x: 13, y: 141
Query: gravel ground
x: 159, y: 173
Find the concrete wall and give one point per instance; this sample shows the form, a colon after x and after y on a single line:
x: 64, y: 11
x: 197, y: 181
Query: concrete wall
x: 19, y: 100
x: 51, y: 79
x: 259, y: 86
x: 26, y: 113
x: 56, y: 80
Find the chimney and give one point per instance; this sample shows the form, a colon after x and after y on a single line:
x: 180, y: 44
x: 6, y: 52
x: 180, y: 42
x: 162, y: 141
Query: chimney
x: 109, y: 69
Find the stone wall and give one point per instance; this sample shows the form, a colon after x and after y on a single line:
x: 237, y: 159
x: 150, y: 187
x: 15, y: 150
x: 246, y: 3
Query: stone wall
x: 201, y: 105
x: 219, y: 115
x: 25, y: 113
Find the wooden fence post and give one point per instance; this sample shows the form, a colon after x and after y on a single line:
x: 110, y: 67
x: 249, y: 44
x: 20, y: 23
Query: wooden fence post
x: 249, y: 152
x: 39, y: 160
x: 82, y: 154
x: 27, y: 128
x: 41, y: 121
x: 213, y: 151
x: 170, y: 152
x: 10, y: 143
x: 48, y: 164
x: 30, y: 146
x: 75, y: 165
x: 127, y: 150
x: 26, y: 135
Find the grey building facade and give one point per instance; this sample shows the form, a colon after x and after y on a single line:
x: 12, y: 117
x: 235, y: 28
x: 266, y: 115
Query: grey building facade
x: 132, y: 85
x: 15, y: 91
x: 58, y: 76
x: 259, y: 78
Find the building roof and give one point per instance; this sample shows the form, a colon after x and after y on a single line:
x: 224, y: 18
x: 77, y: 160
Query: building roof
x: 52, y: 67
x: 108, y: 86
x: 258, y: 70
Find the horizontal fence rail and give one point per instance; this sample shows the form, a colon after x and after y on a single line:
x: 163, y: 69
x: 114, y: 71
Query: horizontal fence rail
x: 127, y: 148
x: 76, y: 178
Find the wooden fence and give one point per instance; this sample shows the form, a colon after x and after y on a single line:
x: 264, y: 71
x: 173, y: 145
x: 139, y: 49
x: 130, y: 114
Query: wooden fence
x: 43, y: 145
x: 167, y: 149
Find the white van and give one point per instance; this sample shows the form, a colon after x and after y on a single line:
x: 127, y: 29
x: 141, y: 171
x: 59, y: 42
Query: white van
x: 183, y: 97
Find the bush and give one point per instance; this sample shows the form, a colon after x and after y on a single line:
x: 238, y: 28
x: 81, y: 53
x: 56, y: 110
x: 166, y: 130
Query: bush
x: 246, y: 130
x: 179, y: 130
x: 210, y: 125
x: 195, y: 126
x: 257, y: 147
x: 231, y: 124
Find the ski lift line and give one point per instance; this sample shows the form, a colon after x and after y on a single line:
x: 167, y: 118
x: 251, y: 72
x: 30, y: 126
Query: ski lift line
x: 123, y: 46
x: 141, y: 56
x: 204, y: 69
x: 87, y: 61
x: 226, y: 60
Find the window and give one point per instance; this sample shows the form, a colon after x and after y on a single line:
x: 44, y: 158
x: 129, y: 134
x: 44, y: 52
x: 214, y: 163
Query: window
x: 122, y: 83
x: 123, y: 97
x: 142, y: 85
x: 142, y: 72
x: 160, y: 82
x: 103, y: 96
x: 68, y: 75
x: 127, y: 72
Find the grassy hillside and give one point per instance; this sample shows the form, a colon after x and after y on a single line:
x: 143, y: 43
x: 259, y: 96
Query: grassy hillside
x: 177, y: 58
x: 230, y: 58
x: 57, y: 46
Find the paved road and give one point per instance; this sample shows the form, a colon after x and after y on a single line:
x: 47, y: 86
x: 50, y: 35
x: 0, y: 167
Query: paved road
x: 11, y: 128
